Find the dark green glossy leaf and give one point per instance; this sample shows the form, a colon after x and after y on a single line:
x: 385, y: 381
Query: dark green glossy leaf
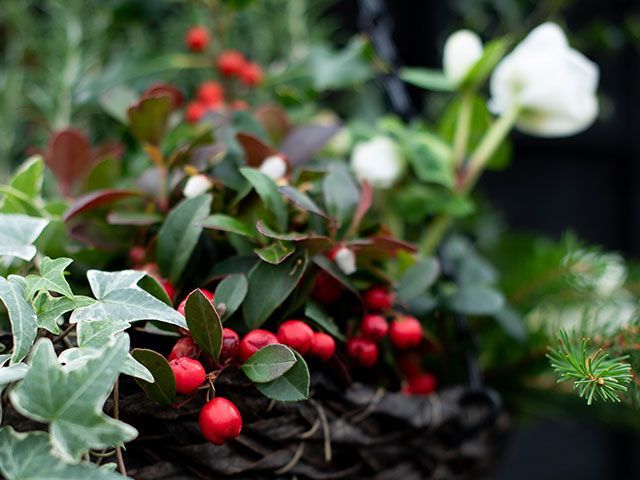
x: 269, y: 363
x: 204, y: 323
x: 231, y: 292
x: 293, y: 386
x: 163, y: 388
x: 268, y: 192
x: 276, y: 253
x: 417, y: 279
x: 227, y: 223
x: 315, y: 312
x: 341, y: 194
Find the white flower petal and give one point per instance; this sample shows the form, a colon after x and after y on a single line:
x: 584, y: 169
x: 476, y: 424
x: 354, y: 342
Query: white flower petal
x: 196, y: 185
x: 462, y: 50
x: 346, y: 260
x: 377, y: 161
x: 274, y: 167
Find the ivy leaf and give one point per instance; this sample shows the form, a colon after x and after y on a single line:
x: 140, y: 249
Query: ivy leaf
x: 269, y: 363
x: 96, y: 335
x: 204, y: 323
x: 163, y: 387
x: 269, y: 286
x: 119, y: 297
x: 293, y: 386
x: 29, y: 455
x: 267, y: 190
x: 179, y: 235
x: 17, y: 234
x: 13, y: 373
x: 231, y: 292
x: 71, y: 399
x: 24, y: 322
x: 417, y: 279
x: 49, y: 309
x: 51, y: 278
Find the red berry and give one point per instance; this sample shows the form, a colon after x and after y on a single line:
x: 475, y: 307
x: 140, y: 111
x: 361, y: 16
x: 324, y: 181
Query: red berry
x: 363, y: 351
x: 239, y: 105
x: 296, y: 334
x: 323, y: 346
x: 231, y: 62
x: 326, y: 289
x: 405, y: 332
x: 197, y: 38
x: 423, y: 384
x: 254, y: 341
x: 189, y: 373
x: 184, y: 347
x: 378, y: 298
x: 230, y: 346
x: 136, y: 255
x: 211, y: 94
x: 251, y: 74
x: 168, y: 288
x: 195, y: 111
x: 210, y: 296
x: 374, y: 327
x: 220, y: 420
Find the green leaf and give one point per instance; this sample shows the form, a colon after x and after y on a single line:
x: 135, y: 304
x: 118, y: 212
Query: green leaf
x: 315, y: 312
x: 28, y: 177
x: 475, y: 300
x: 341, y: 194
x: 12, y: 373
x: 417, y: 279
x: 117, y: 100
x: 17, y: 234
x: 428, y: 79
x: 276, y: 253
x: 179, y: 235
x: 491, y: 55
x: 204, y: 323
x: 301, y: 200
x: 134, y: 218
x: 49, y: 309
x: 269, y: 286
x: 24, y: 322
x: 29, y: 456
x: 148, y: 119
x: 96, y: 335
x: 150, y: 285
x: 293, y: 386
x: 163, y: 388
x: 231, y: 292
x: 339, y: 69
x: 71, y: 399
x: 267, y: 190
x: 51, y: 278
x: 119, y: 297
x: 332, y: 269
x: 430, y: 159
x: 269, y: 363
x: 227, y: 223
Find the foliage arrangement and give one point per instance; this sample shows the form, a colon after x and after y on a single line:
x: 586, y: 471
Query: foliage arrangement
x: 281, y: 258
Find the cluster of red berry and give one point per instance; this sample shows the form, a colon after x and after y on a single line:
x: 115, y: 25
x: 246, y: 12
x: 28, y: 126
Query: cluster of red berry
x: 230, y: 64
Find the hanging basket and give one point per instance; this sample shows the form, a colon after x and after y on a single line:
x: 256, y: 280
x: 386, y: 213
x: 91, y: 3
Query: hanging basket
x: 354, y: 433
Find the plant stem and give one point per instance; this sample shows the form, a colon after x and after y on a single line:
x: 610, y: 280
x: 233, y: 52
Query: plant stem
x: 116, y: 415
x: 463, y: 128
x: 435, y: 231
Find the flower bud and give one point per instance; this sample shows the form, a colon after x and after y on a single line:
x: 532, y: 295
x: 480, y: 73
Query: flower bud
x: 378, y: 162
x: 196, y: 185
x: 462, y: 50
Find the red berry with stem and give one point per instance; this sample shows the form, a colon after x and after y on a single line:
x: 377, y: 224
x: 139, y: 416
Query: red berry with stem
x: 230, y: 346
x: 374, y: 327
x: 254, y: 341
x: 194, y: 112
x: 378, y: 298
x: 296, y: 334
x: 405, y: 332
x: 323, y: 346
x: 364, y: 352
x: 210, y: 296
x: 211, y: 94
x: 422, y: 384
x: 231, y: 62
x: 251, y: 74
x: 189, y: 373
x: 220, y: 420
x: 197, y: 38
x: 326, y: 289
x: 184, y: 347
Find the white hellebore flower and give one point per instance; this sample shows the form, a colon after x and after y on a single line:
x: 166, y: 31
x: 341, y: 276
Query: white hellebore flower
x: 378, y: 161
x: 553, y: 84
x: 274, y: 167
x: 346, y: 260
x: 196, y: 185
x: 462, y: 50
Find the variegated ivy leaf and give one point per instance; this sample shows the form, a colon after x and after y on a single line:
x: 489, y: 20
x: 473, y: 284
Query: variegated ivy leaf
x: 29, y: 456
x: 17, y: 234
x: 119, y: 297
x: 51, y: 278
x: 12, y: 373
x: 24, y: 322
x: 49, y: 309
x: 71, y: 398
x: 93, y: 336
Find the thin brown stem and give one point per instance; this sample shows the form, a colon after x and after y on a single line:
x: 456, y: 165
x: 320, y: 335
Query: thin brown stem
x: 116, y: 415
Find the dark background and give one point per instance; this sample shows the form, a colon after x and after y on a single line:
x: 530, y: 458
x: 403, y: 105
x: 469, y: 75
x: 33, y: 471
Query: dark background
x: 588, y: 184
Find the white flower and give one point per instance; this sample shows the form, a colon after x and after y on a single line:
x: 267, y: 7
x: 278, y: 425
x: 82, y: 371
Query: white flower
x: 274, y: 167
x: 554, y: 85
x: 462, y: 50
x: 377, y: 161
x: 346, y: 260
x: 196, y: 185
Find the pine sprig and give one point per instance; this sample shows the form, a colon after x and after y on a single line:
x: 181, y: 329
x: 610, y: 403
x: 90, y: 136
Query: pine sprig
x: 593, y: 373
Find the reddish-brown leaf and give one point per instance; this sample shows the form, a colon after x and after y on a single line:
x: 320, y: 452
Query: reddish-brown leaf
x: 96, y: 199
x: 68, y: 155
x: 255, y: 150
